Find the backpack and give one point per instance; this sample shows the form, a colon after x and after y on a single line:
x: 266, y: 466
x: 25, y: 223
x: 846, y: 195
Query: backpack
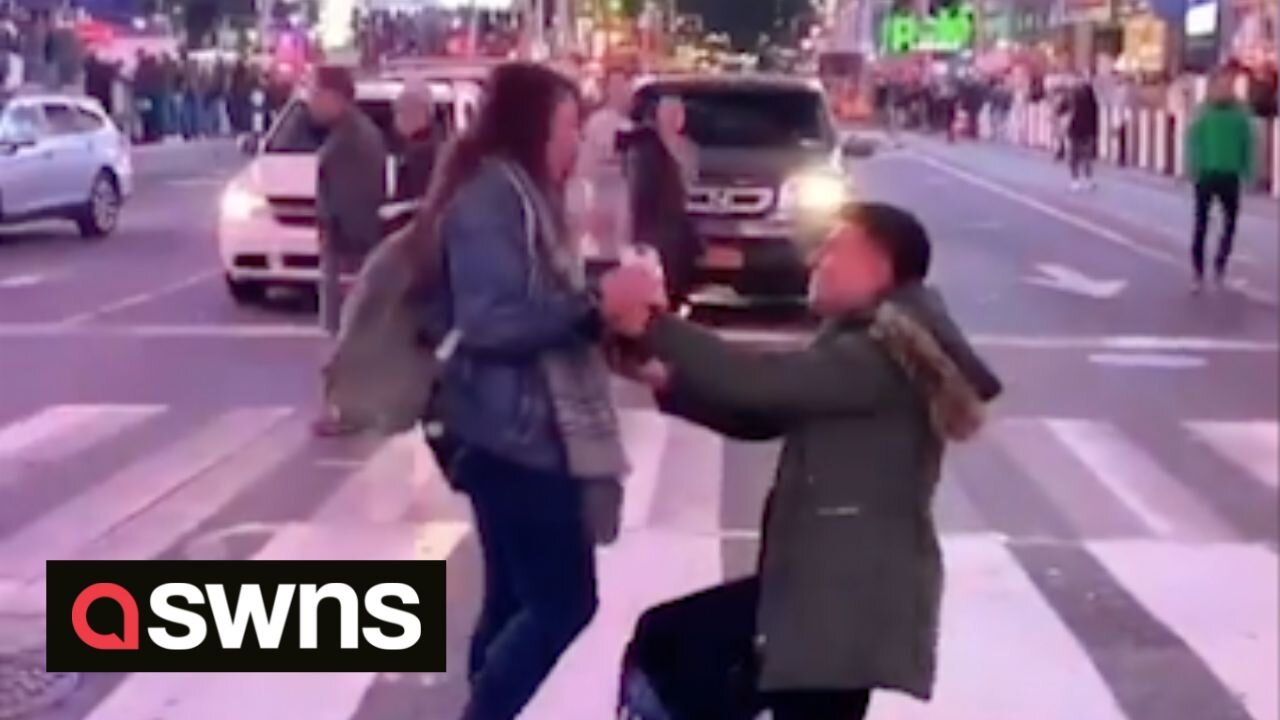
x: 385, y: 364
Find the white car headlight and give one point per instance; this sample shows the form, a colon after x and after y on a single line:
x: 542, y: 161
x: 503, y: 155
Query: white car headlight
x: 813, y: 194
x: 241, y: 204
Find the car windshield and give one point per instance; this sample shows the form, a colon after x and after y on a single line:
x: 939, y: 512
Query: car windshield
x: 298, y: 133
x: 18, y: 124
x: 771, y: 118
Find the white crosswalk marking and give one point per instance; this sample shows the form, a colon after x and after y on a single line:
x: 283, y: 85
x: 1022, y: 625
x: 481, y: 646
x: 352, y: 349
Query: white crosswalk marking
x: 159, y: 526
x: 1162, y: 502
x: 645, y: 435
x: 63, y: 430
x: 1252, y: 445
x: 371, y: 530
x: 649, y: 564
x: 1221, y: 599
x: 391, y: 504
x: 1076, y: 493
x: 990, y: 609
x: 87, y: 517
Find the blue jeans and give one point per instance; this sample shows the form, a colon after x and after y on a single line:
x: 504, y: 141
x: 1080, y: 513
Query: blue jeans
x: 540, y: 579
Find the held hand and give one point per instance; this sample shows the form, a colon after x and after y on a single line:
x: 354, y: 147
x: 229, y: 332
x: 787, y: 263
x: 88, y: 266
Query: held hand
x: 630, y: 295
x: 652, y: 373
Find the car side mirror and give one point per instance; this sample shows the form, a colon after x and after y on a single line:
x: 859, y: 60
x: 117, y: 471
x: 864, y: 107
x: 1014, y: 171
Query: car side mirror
x: 250, y: 144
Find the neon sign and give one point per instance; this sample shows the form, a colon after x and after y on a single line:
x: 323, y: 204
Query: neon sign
x: 950, y: 29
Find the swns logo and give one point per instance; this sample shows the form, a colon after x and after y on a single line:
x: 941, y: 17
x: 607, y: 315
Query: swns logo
x: 255, y: 616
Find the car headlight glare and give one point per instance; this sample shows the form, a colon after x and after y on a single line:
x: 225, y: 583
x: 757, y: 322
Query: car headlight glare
x: 241, y: 204
x: 814, y: 194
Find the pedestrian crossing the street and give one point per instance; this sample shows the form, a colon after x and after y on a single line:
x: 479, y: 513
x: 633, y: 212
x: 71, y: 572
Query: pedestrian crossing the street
x: 1088, y: 575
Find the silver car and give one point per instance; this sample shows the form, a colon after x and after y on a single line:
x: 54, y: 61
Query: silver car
x: 61, y: 156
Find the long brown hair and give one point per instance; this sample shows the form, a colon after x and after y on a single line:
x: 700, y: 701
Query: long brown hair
x: 514, y: 123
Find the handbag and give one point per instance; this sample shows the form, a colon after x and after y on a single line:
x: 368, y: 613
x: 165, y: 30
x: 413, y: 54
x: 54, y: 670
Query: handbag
x: 381, y: 374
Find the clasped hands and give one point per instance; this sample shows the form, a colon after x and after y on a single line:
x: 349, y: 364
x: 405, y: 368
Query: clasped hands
x: 630, y: 297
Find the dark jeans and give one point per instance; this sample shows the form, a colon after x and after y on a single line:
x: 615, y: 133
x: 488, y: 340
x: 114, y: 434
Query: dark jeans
x: 1082, y: 151
x: 1224, y: 188
x: 699, y: 654
x: 540, y: 579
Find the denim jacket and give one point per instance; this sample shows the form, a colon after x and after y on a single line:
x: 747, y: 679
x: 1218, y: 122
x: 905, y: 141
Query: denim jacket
x: 494, y: 395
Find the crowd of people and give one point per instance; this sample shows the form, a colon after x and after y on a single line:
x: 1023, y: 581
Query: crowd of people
x: 518, y: 339
x: 155, y: 94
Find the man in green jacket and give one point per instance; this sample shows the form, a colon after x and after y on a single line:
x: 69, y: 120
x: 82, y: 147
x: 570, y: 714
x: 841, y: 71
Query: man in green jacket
x: 1220, y: 160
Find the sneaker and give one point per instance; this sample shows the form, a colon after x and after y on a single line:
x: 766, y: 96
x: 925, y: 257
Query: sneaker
x: 1197, y: 286
x: 1076, y: 186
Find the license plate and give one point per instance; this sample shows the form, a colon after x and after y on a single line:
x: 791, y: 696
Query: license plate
x: 723, y: 257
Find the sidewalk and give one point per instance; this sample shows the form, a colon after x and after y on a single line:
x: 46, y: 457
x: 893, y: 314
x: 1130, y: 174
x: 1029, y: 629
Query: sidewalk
x: 1152, y: 211
x: 1255, y: 201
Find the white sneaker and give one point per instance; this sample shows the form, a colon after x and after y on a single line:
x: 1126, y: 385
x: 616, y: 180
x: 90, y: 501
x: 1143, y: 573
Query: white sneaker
x: 1197, y: 286
x: 1076, y: 186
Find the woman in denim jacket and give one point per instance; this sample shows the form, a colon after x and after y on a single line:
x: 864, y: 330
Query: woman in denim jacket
x: 526, y: 393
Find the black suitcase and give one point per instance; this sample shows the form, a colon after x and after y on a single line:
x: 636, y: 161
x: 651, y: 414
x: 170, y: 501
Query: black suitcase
x: 694, y: 658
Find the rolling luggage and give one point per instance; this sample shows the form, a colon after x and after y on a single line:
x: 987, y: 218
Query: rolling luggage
x: 694, y: 658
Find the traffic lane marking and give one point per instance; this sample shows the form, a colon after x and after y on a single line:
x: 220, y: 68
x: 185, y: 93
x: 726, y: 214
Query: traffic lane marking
x: 763, y: 337
x: 1162, y: 256
x: 140, y: 298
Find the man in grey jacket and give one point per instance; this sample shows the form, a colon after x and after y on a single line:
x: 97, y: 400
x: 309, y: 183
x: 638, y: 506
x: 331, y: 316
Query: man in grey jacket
x: 350, y: 189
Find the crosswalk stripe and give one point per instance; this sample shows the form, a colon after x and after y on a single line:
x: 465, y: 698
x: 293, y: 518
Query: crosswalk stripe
x: 651, y: 562
x: 85, y: 518
x: 992, y: 617
x: 954, y: 509
x: 61, y: 431
x: 315, y: 696
x: 1220, y: 599
x: 1167, y: 507
x: 1090, y: 506
x: 382, y: 490
x: 692, y: 479
x: 644, y: 434
x: 1251, y: 445
x: 645, y: 568
x: 157, y: 528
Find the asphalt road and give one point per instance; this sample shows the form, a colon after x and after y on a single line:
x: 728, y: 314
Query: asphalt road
x: 1111, y: 539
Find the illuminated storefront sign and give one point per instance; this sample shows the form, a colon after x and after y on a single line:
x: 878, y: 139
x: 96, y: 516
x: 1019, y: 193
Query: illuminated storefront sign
x: 949, y: 29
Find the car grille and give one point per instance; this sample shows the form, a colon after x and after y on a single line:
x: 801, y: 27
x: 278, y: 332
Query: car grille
x: 731, y: 201
x: 296, y: 212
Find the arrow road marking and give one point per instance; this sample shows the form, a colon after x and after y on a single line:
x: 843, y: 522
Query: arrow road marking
x: 1066, y: 279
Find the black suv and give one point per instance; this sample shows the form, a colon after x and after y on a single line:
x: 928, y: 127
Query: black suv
x: 770, y: 179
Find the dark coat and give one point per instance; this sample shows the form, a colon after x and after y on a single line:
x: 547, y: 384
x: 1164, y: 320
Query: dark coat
x: 352, y: 185
x: 659, y: 218
x: 415, y: 165
x: 850, y: 568
x: 1083, y: 125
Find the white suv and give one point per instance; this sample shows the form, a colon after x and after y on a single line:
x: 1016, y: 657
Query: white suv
x: 267, y: 225
x: 61, y: 156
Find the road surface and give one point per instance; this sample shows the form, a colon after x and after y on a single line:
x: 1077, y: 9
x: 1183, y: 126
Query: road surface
x: 1111, y: 539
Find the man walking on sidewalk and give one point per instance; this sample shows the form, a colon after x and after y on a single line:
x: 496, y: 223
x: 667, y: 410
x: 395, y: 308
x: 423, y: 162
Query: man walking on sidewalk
x: 1220, y: 160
